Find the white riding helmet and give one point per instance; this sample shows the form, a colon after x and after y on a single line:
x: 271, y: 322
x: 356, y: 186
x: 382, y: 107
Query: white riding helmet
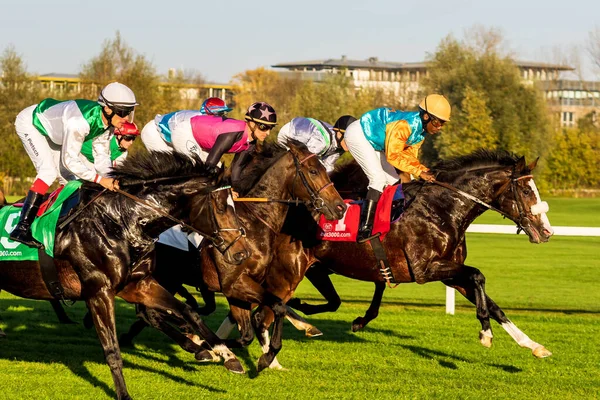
x: 117, y: 94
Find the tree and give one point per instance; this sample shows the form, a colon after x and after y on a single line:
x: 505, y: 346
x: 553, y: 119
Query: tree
x: 17, y: 91
x: 470, y: 129
x: 519, y: 113
x: 593, y: 46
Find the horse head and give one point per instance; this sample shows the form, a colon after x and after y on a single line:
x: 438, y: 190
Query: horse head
x: 520, y: 199
x: 227, y: 233
x: 312, y: 182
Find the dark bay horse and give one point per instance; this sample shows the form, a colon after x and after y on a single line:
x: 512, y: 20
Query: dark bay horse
x: 106, y: 251
x: 428, y: 243
x: 275, y: 173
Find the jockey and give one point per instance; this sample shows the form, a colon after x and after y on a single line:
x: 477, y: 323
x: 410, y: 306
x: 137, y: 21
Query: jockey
x: 214, y: 106
x: 121, y: 141
x: 53, y: 133
x: 208, y: 136
x: 320, y: 138
x: 384, y: 140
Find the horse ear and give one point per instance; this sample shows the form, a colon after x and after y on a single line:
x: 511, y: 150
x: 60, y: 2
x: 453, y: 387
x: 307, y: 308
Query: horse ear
x: 533, y: 164
x: 520, y: 166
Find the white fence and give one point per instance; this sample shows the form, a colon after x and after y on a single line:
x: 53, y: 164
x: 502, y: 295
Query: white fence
x: 510, y: 229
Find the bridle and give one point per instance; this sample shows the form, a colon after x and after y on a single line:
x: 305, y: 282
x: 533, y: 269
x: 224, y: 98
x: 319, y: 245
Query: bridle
x: 218, y: 240
x: 316, y: 201
x: 513, y: 188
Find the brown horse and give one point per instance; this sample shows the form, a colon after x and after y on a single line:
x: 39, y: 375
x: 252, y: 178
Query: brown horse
x: 428, y: 243
x: 106, y: 250
x: 275, y: 174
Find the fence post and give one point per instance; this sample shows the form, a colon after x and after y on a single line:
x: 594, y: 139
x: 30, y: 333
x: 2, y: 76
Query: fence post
x: 450, y: 293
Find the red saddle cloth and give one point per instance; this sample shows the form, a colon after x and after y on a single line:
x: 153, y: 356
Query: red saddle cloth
x: 51, y: 199
x: 346, y: 229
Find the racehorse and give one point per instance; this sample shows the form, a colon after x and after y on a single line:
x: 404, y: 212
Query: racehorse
x: 286, y: 176
x: 428, y: 243
x: 106, y: 251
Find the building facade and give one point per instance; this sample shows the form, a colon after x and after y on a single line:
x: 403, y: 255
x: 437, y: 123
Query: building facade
x: 570, y: 100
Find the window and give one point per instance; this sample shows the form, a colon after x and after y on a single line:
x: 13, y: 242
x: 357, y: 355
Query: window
x: 567, y: 118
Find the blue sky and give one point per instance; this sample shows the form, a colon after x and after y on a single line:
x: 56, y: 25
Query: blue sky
x: 222, y: 38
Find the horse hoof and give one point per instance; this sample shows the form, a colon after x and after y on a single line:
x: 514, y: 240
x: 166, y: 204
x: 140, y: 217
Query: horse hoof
x: 276, y: 366
x: 541, y: 352
x: 207, y: 356
x: 234, y: 366
x: 313, y: 331
x: 262, y: 363
x: 485, y: 338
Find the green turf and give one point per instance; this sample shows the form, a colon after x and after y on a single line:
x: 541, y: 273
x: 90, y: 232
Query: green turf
x: 413, y: 350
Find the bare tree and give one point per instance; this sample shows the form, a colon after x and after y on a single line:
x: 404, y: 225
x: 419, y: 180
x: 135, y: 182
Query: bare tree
x: 593, y: 46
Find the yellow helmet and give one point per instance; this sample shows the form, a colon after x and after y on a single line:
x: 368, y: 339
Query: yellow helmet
x: 436, y: 105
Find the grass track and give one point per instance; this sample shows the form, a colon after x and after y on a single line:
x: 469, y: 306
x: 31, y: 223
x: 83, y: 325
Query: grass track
x: 413, y: 350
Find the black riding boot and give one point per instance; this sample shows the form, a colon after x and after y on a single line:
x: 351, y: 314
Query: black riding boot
x: 367, y: 216
x: 22, y: 232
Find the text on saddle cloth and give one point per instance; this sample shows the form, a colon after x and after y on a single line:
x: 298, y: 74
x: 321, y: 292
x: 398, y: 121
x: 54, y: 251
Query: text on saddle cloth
x: 346, y: 229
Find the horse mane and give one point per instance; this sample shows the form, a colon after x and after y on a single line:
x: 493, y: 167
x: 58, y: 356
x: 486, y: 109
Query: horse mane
x: 480, y: 158
x: 143, y: 166
x: 256, y: 162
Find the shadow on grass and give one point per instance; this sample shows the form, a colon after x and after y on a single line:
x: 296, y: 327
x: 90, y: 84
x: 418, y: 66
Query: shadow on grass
x: 34, y: 335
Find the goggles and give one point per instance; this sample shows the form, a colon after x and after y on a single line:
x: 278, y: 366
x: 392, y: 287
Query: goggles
x: 264, y: 127
x: 129, y: 138
x: 121, y: 111
x: 436, y: 122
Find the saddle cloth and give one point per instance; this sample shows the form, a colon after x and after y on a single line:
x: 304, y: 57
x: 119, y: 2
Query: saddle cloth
x: 346, y: 229
x: 43, y: 228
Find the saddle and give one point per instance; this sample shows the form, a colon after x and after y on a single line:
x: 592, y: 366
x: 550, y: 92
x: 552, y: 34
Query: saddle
x: 389, y: 209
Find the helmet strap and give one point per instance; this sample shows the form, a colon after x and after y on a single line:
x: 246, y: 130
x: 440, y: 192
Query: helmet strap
x: 108, y: 117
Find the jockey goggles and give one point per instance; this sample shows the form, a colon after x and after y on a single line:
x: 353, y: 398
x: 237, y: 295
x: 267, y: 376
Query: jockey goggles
x: 121, y: 111
x: 264, y: 127
x: 129, y: 138
x: 436, y: 122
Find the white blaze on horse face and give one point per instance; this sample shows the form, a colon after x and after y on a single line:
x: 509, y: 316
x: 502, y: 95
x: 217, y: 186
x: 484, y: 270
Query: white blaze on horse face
x: 540, y: 208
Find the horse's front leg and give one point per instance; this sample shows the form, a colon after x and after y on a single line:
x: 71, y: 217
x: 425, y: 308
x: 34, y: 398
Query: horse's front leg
x: 319, y: 277
x: 468, y: 291
x: 278, y: 309
x: 452, y: 273
x: 102, y: 309
x: 149, y: 293
x: 373, y: 310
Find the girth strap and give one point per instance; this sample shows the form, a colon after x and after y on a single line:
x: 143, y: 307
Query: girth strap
x: 384, y: 265
x: 50, y: 275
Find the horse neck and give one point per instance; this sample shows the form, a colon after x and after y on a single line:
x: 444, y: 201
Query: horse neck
x: 482, y: 186
x: 273, y: 184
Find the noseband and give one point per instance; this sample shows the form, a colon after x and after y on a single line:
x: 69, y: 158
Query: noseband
x: 316, y: 201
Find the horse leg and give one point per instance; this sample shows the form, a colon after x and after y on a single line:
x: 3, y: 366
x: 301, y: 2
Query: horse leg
x: 468, y: 291
x: 373, y: 310
x: 210, y: 304
x: 319, y: 277
x: 126, y: 339
x: 189, y: 299
x: 150, y: 294
x: 63, y: 318
x: 102, y: 309
x: 301, y: 324
x: 274, y: 345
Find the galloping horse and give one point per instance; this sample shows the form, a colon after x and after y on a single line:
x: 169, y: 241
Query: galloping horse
x: 428, y: 243
x: 106, y: 251
x: 286, y: 176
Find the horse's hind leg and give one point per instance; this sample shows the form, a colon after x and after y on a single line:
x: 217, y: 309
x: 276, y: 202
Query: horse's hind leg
x: 102, y: 309
x: 373, y: 310
x: 149, y: 293
x: 301, y: 324
x: 319, y: 277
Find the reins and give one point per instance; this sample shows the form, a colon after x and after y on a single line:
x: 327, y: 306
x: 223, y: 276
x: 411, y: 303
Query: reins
x: 489, y: 206
x: 166, y: 215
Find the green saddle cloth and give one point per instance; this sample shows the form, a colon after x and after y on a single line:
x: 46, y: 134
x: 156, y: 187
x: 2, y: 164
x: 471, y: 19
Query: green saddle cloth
x: 43, y: 228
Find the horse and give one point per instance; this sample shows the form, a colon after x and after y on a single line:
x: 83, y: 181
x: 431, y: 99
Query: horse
x: 428, y: 243
x: 106, y: 250
x: 288, y: 177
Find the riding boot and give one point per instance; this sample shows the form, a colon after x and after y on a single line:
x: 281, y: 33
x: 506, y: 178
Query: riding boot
x: 22, y: 232
x: 367, y: 216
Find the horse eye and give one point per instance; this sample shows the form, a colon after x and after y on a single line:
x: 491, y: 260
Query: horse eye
x: 526, y: 192
x: 314, y: 172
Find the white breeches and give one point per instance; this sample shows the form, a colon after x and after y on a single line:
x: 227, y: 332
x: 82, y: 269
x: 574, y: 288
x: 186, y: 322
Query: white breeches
x: 185, y: 143
x: 153, y: 140
x: 44, y: 153
x: 380, y: 172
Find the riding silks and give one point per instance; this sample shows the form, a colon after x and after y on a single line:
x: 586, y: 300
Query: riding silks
x: 43, y: 228
x: 346, y: 228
